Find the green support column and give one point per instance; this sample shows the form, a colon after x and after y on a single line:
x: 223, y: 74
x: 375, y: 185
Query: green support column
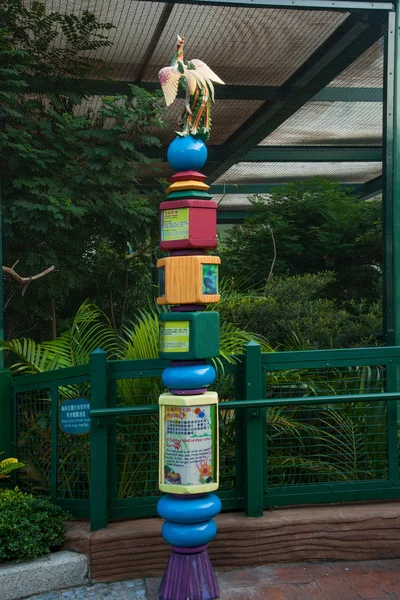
x: 255, y: 448
x: 99, y: 443
x: 396, y: 177
x: 5, y: 375
x: 389, y: 180
x: 391, y: 198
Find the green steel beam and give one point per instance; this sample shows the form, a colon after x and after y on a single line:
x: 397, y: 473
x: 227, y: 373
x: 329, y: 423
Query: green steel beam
x: 372, y: 188
x: 388, y: 185
x: 290, y: 154
x: 267, y: 188
x: 314, y: 154
x: 232, y: 217
x: 346, y: 94
x: 100, y: 87
x: 295, y: 4
x: 356, y: 34
x: 152, y: 44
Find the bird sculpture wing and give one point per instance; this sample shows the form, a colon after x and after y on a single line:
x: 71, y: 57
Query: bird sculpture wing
x: 205, y: 71
x: 169, y: 78
x: 204, y: 82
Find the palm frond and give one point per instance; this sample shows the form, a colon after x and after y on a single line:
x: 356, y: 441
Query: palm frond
x: 89, y: 330
x: 141, y: 336
x: 32, y: 357
x: 7, y: 465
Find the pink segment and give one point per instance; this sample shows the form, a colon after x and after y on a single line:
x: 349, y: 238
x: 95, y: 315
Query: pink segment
x: 187, y: 175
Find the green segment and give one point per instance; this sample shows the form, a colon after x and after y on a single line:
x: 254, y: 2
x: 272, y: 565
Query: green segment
x: 189, y: 335
x: 188, y: 194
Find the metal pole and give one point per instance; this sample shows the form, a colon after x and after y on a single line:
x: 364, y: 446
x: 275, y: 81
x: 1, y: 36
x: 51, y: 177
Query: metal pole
x: 6, y: 428
x: 395, y: 32
x: 2, y: 128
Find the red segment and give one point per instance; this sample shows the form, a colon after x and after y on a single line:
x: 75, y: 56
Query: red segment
x: 187, y: 175
x: 202, y: 224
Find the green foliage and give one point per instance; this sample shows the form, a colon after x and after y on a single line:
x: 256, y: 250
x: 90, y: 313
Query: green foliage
x: 29, y: 527
x: 341, y: 442
x: 71, y: 174
x: 89, y: 330
x: 8, y: 465
x: 297, y: 313
x: 316, y: 227
x: 35, y: 31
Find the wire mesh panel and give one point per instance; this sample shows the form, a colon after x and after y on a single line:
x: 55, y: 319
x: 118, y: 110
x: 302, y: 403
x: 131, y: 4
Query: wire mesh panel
x: 33, y: 440
x: 327, y: 381
x: 224, y: 386
x: 137, y: 439
x: 73, y: 452
x: 329, y: 443
x: 332, y: 442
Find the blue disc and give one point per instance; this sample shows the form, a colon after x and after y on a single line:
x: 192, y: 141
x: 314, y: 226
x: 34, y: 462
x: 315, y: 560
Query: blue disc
x: 189, y: 509
x: 188, y: 536
x: 187, y: 154
x: 191, y: 377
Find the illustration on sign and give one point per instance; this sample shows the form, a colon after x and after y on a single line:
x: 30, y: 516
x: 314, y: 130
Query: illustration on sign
x: 210, y: 279
x: 74, y: 416
x: 174, y: 224
x: 174, y: 336
x: 189, y: 442
x: 161, y: 281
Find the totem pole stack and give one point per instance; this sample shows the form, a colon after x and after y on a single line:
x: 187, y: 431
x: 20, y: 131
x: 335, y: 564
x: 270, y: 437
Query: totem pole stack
x: 189, y: 335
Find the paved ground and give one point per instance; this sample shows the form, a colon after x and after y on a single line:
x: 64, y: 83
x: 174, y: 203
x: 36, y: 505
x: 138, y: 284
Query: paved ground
x: 120, y: 590
x: 371, y: 580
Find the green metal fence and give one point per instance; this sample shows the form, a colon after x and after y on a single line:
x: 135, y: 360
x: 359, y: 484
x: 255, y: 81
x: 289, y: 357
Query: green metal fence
x: 295, y: 428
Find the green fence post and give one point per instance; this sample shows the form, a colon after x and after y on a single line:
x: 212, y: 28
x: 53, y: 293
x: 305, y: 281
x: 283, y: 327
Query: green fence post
x: 393, y: 385
x: 255, y: 447
x: 5, y: 413
x: 99, y: 442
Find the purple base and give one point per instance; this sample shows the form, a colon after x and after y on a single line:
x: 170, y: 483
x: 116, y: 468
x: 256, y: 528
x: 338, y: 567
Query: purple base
x: 189, y: 576
x: 188, y: 308
x: 190, y: 252
x: 194, y: 392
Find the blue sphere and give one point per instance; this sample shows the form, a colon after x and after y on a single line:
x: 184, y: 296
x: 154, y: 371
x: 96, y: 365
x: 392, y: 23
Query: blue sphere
x: 187, y: 154
x: 187, y: 378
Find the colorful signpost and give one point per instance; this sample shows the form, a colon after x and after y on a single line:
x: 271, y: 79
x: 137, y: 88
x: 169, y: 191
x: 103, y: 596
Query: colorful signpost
x: 188, y: 280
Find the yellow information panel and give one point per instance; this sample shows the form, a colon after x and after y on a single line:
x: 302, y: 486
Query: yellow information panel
x: 175, y: 224
x: 174, y: 336
x: 189, y: 450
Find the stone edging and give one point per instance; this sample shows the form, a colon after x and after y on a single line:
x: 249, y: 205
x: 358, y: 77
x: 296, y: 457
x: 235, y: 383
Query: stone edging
x: 53, y: 572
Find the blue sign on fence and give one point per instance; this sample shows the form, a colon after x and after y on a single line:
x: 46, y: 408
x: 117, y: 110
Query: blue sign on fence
x: 74, y: 416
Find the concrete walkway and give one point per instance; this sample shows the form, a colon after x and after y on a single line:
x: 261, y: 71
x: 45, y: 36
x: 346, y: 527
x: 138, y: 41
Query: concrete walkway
x: 369, y: 580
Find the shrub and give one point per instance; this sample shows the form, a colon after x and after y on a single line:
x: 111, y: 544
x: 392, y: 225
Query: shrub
x: 297, y: 313
x: 29, y: 527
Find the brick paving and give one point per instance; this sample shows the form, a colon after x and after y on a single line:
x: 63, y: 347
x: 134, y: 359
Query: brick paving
x: 368, y: 580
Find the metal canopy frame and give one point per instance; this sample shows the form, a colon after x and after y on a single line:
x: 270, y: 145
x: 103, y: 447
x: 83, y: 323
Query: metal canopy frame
x: 294, y: 4
x: 364, y: 25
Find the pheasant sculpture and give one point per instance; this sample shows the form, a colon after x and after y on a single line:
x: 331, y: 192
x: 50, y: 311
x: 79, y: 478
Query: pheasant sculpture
x: 196, y: 78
